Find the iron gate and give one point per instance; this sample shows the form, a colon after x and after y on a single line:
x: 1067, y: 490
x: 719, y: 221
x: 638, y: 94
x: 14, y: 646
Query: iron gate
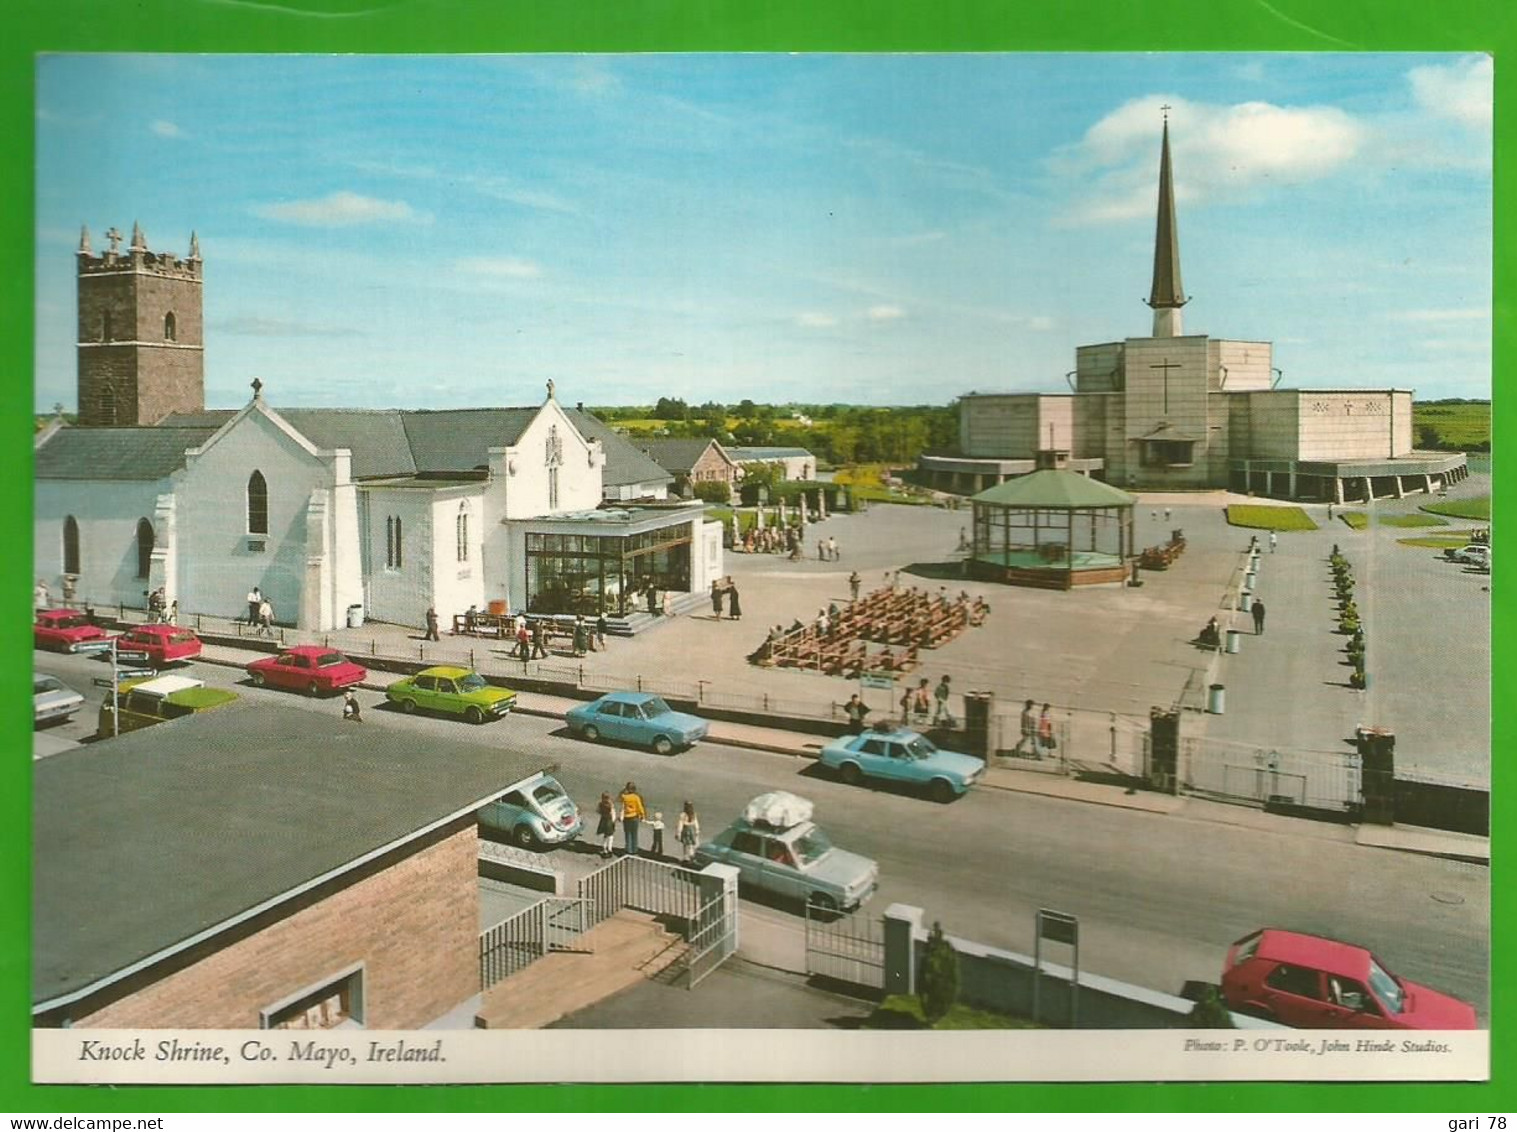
x: 1318, y: 780
x: 712, y: 937
x: 850, y: 949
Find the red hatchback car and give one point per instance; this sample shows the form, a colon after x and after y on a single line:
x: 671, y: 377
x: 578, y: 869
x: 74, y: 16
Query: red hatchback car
x: 65, y: 630
x: 1310, y: 982
x: 307, y: 668
x: 161, y: 644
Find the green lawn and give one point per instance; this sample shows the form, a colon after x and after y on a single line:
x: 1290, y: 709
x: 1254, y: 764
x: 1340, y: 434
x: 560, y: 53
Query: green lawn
x: 1269, y: 518
x: 1359, y: 520
x: 1435, y: 542
x: 1356, y: 519
x: 904, y: 1012
x: 1477, y: 508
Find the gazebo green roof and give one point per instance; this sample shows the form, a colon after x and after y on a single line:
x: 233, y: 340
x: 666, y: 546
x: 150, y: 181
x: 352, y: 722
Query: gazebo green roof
x: 1055, y: 489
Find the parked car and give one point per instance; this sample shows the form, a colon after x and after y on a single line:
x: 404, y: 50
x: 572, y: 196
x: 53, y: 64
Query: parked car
x: 775, y: 846
x: 1474, y: 554
x: 156, y: 699
x: 52, y: 700
x: 898, y: 754
x: 307, y: 668
x: 1311, y: 982
x: 534, y: 812
x: 66, y: 630
x: 452, y: 691
x: 161, y: 645
x: 636, y: 717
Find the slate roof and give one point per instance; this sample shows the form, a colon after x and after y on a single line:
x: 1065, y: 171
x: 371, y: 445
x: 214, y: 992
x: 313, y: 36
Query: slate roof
x: 1055, y: 489
x: 148, y: 840
x: 677, y: 455
x: 625, y: 462
x: 130, y: 453
x: 764, y: 452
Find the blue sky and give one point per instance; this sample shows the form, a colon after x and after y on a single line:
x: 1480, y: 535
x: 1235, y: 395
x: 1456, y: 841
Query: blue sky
x: 881, y: 229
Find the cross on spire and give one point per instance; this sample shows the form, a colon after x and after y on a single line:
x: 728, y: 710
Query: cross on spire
x: 257, y: 390
x: 1165, y: 109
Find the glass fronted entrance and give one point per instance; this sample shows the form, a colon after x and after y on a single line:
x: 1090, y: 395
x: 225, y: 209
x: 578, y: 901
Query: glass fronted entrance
x: 610, y: 574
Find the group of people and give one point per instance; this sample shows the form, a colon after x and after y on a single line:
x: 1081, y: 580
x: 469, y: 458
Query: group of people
x: 827, y: 549
x: 162, y: 611
x: 774, y: 540
x: 630, y: 812
x: 918, y: 702
x: 1037, y: 732
x: 532, y: 639
x: 261, y: 612
x: 726, y: 588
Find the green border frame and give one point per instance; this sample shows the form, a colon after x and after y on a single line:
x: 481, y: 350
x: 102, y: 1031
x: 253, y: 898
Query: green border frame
x: 444, y: 26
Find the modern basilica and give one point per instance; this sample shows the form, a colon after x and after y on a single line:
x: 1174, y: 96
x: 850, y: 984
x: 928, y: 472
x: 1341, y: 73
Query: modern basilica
x: 541, y: 508
x: 1177, y: 411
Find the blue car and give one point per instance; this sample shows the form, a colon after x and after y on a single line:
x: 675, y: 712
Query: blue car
x: 636, y: 717
x: 897, y: 754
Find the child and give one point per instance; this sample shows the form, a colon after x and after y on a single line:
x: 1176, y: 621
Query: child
x: 657, y: 826
x: 350, y: 709
x: 689, y: 831
x: 606, y: 827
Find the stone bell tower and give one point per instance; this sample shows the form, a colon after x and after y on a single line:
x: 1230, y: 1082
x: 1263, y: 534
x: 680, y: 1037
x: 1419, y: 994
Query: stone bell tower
x: 141, y: 335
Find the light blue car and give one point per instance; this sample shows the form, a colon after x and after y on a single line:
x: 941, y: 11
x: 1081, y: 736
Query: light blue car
x: 897, y: 754
x: 636, y: 717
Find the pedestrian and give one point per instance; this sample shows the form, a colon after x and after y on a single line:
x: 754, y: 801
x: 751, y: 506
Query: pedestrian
x: 266, y: 618
x: 1028, y: 745
x: 832, y: 549
x: 600, y: 631
x: 351, y: 712
x: 1258, y: 607
x: 657, y: 826
x: 963, y: 539
x: 539, y: 639
x: 921, y: 702
x: 432, y: 625
x: 734, y: 602
x: 906, y: 706
x: 1273, y: 539
x: 822, y: 624
x: 632, y: 813
x: 940, y: 696
x: 716, y: 600
x: 855, y: 709
x: 255, y: 599
x: 1166, y: 514
x: 1046, y: 742
x: 605, y: 827
x: 653, y: 607
x: 173, y: 613
x: 688, y: 831
x: 69, y: 582
x: 580, y: 639
x: 854, y: 582
x: 523, y: 641
x: 821, y: 550
x: 471, y: 615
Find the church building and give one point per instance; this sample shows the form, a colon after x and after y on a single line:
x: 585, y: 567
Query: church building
x: 1177, y: 411
x: 328, y: 511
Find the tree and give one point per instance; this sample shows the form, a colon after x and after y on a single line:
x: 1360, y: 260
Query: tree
x: 671, y: 409
x: 712, y: 491
x: 1428, y: 436
x: 940, y: 976
x: 1211, y: 1013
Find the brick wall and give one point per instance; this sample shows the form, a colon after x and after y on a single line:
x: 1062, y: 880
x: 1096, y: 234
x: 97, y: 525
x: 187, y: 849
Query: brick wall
x: 414, y: 925
x: 711, y: 468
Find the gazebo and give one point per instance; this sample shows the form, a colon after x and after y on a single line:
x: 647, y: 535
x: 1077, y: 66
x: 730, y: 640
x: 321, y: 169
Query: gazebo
x: 1052, y: 528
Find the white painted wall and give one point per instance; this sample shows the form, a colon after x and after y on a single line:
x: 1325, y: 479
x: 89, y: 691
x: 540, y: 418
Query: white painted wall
x: 457, y: 584
x: 400, y: 595
x: 107, y: 514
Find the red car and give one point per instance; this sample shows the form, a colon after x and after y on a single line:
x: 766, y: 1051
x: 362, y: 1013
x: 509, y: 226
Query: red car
x: 307, y: 668
x: 161, y: 644
x: 1310, y: 982
x: 65, y: 630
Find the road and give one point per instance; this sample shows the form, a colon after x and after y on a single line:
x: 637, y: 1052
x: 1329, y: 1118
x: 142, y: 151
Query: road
x: 1159, y: 897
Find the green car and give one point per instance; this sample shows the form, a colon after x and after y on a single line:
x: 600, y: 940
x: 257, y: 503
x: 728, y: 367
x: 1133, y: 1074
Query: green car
x: 451, y: 691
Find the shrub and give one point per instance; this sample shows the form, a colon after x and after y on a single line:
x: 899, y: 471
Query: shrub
x: 940, y: 976
x: 712, y: 491
x: 1211, y: 1013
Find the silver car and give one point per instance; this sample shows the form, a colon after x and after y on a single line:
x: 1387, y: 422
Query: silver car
x: 785, y: 853
x: 53, y: 700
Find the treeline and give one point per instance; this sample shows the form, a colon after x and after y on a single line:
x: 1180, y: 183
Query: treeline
x: 835, y: 434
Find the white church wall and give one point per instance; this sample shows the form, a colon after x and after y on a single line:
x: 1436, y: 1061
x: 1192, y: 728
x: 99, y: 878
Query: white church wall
x: 1056, y: 422
x: 458, y: 582
x: 1273, y: 426
x: 1347, y: 424
x: 107, y: 513
x: 706, y: 563
x: 1247, y: 365
x: 218, y: 555
x: 1403, y: 439
x: 525, y: 468
x: 399, y: 594
x: 1178, y: 403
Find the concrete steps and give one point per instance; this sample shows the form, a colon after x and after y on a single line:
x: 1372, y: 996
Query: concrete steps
x: 628, y: 948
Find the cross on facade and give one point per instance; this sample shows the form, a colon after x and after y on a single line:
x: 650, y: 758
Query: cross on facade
x: 1166, y: 365
x: 115, y: 237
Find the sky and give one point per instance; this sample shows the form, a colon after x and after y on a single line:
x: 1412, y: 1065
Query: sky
x: 444, y: 231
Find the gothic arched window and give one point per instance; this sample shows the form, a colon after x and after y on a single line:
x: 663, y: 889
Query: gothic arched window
x: 170, y: 328
x: 258, y: 505
x: 71, y: 545
x: 463, y: 532
x: 144, y: 547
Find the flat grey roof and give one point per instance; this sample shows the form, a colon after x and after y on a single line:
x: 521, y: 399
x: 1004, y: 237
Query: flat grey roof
x: 148, y: 842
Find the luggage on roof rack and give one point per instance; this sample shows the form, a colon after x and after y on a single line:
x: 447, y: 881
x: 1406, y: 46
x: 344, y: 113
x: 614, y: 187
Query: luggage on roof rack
x: 778, y: 809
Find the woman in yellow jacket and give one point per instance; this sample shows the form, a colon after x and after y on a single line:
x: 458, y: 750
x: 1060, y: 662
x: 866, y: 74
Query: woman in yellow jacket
x: 631, y: 816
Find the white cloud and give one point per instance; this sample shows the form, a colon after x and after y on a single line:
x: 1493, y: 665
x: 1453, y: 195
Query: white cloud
x: 508, y: 267
x: 885, y: 312
x: 816, y: 321
x: 340, y: 209
x: 1040, y: 322
x: 1463, y: 90
x: 165, y: 129
x: 1460, y: 314
x: 1219, y: 151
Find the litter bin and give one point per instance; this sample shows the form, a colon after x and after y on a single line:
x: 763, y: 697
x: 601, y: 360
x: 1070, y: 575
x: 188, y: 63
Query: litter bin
x: 1233, y: 637
x: 1250, y: 580
x: 1245, y: 601
x: 1216, y: 699
x: 355, y: 616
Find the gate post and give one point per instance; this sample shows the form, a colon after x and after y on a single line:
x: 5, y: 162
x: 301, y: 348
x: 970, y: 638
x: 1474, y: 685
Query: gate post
x: 1164, y: 748
x: 1377, y: 774
x: 903, y: 922
x: 718, y: 880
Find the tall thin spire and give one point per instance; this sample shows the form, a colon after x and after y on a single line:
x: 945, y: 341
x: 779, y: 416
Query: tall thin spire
x: 1168, y: 294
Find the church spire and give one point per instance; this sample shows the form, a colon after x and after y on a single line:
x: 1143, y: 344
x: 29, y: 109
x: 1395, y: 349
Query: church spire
x: 1168, y: 295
